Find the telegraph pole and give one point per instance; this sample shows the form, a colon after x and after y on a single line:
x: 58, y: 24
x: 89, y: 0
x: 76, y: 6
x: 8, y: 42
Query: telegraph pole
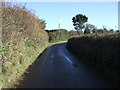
x: 59, y: 27
x: 119, y: 15
x: 115, y: 27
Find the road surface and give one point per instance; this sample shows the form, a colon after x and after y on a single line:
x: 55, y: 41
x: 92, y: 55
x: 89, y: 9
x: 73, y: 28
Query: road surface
x: 58, y: 68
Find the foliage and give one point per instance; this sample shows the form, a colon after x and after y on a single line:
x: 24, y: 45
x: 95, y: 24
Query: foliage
x: 79, y: 20
x: 111, y: 30
x: 62, y: 35
x: 87, y: 30
x: 100, y: 50
x: 31, y: 43
x: 43, y: 23
x: 90, y: 27
x: 24, y: 38
x: 3, y: 48
x: 117, y: 30
x: 100, y: 31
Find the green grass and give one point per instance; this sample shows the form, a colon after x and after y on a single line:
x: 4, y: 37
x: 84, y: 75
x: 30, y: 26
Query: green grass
x: 57, y: 41
x: 3, y: 48
x: 19, y: 62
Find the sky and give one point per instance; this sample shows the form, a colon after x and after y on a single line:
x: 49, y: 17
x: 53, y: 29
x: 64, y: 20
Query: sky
x: 99, y: 13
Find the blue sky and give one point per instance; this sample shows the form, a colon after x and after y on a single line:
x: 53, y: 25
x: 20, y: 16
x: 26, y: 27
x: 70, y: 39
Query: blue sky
x: 99, y: 13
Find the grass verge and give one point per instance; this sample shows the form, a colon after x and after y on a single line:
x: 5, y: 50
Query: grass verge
x: 18, y: 59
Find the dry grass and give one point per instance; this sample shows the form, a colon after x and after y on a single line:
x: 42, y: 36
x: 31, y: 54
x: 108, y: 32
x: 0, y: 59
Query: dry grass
x: 23, y: 40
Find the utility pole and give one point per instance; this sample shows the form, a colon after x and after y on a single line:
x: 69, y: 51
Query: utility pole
x: 59, y: 27
x: 119, y: 15
x: 115, y: 27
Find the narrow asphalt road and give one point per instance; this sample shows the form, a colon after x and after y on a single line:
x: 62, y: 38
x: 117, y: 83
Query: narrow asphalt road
x: 57, y: 68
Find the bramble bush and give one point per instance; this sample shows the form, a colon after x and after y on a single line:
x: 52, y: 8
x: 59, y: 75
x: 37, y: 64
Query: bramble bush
x: 23, y: 39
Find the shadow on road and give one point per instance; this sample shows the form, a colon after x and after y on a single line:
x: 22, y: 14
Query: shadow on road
x: 30, y: 70
x: 34, y: 66
x: 56, y: 67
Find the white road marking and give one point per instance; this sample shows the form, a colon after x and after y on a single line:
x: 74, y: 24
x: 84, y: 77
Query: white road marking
x: 68, y: 59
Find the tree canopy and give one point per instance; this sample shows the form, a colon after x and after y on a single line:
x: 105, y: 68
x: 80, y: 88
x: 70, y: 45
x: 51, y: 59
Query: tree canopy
x: 79, y: 20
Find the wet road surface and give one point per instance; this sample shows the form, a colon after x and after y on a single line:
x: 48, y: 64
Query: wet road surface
x: 58, y: 68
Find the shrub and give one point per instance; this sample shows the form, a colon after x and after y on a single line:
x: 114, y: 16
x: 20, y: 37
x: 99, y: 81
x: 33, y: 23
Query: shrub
x: 87, y: 30
x: 100, y: 51
x: 62, y: 35
x: 24, y: 38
